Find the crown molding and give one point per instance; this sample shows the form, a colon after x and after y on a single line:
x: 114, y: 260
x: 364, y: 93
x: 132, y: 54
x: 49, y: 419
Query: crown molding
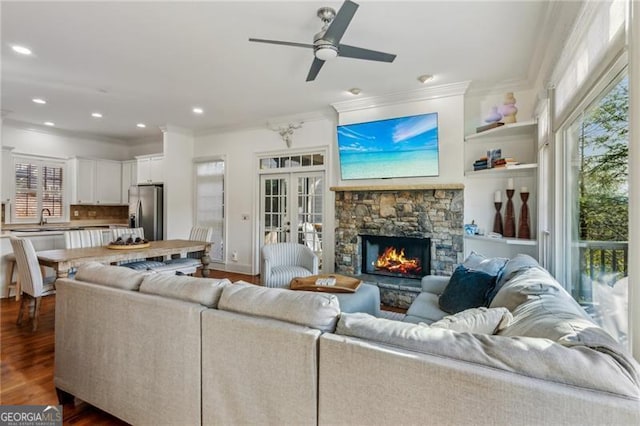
x: 324, y: 114
x: 170, y: 128
x: 507, y: 86
x: 442, y: 91
x: 61, y: 132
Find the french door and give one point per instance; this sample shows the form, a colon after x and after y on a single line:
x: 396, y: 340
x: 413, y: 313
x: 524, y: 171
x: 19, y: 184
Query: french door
x: 292, y: 208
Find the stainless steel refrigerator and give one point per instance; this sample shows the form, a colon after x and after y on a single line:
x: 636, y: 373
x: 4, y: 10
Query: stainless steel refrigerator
x: 146, y: 208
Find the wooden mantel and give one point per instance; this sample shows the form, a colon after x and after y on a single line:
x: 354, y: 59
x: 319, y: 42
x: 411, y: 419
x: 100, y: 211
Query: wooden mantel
x: 415, y: 187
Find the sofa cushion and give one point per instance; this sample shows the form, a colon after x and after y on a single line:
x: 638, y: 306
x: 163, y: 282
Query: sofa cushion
x: 434, y: 283
x: 466, y: 289
x: 529, y: 283
x: 488, y: 265
x: 425, y: 308
x: 315, y: 310
x: 111, y: 276
x: 477, y: 320
x: 520, y: 262
x: 205, y: 291
x: 531, y: 357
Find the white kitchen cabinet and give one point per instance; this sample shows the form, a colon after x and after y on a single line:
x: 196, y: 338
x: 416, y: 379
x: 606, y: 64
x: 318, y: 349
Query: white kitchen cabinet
x: 108, y: 182
x: 96, y: 181
x: 150, y: 169
x: 129, y: 178
x: 85, y: 181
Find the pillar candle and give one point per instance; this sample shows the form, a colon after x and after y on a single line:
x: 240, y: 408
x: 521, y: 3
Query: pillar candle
x: 510, y: 183
x: 497, y: 197
x: 524, y: 189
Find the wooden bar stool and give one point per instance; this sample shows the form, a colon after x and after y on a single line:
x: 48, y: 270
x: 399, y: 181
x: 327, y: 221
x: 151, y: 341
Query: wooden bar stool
x: 11, y: 264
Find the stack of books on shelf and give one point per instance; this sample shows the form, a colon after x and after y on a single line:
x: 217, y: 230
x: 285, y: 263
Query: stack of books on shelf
x: 494, y: 160
x: 480, y: 164
x: 504, y: 163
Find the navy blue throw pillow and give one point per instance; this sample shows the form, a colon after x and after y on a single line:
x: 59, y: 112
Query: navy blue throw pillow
x: 466, y: 289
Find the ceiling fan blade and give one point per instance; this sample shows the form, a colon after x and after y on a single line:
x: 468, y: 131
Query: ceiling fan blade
x: 360, y: 53
x: 340, y: 22
x: 315, y: 69
x: 284, y: 43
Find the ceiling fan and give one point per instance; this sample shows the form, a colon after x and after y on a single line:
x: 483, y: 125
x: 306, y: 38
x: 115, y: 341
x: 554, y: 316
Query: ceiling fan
x: 326, y: 44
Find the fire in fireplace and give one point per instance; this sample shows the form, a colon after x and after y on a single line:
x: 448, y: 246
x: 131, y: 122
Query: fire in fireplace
x: 405, y: 257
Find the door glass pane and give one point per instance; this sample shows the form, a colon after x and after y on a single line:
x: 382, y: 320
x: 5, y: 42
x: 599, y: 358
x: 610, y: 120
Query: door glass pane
x: 309, y: 217
x: 597, y: 196
x: 274, y: 209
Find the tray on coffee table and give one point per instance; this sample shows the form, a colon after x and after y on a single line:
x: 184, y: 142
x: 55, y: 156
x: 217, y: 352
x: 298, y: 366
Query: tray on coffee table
x: 343, y: 284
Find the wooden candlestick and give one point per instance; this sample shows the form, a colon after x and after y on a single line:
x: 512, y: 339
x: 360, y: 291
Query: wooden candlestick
x: 497, y: 221
x: 509, y: 216
x: 523, y: 225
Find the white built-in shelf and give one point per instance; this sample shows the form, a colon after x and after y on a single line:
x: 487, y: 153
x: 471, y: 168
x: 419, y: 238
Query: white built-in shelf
x: 525, y: 128
x: 501, y: 170
x: 509, y: 241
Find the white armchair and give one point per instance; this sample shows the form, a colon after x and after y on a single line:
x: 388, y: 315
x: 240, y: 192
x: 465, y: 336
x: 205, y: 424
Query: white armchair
x: 281, y: 262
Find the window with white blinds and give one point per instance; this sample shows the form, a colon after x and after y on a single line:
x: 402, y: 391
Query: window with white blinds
x: 39, y: 184
x: 210, y: 202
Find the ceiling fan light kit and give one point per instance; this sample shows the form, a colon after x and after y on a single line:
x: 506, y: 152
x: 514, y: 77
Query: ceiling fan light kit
x: 326, y: 43
x: 324, y: 53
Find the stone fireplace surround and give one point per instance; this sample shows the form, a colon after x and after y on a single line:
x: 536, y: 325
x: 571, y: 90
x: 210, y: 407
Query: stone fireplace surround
x: 434, y: 211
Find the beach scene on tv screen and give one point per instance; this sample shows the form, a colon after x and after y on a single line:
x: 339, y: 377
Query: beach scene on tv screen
x: 398, y: 147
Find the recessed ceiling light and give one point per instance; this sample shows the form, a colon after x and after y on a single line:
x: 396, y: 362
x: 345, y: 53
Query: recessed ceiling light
x: 49, y: 123
x: 425, y: 78
x: 21, y: 49
x: 355, y: 91
x: 197, y: 110
x: 141, y: 125
x: 39, y: 101
x: 96, y: 115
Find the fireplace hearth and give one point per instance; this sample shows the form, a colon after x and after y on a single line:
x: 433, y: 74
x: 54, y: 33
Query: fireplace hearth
x: 396, y: 256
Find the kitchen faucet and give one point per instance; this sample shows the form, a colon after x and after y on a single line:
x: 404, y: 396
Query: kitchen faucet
x: 42, y: 219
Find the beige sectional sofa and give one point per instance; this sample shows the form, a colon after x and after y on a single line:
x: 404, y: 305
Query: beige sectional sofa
x: 181, y: 350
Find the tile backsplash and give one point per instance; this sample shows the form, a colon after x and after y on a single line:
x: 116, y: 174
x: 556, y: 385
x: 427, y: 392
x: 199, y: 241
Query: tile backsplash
x: 116, y: 214
x: 84, y: 212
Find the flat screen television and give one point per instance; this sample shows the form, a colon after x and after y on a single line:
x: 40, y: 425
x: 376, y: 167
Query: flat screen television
x: 393, y: 148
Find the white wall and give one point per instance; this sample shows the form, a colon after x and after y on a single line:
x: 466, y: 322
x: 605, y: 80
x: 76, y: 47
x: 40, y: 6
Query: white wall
x: 450, y: 111
x: 239, y: 147
x: 178, y: 182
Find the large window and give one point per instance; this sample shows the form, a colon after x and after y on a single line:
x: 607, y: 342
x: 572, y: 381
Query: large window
x: 39, y: 190
x: 596, y: 197
x: 210, y: 202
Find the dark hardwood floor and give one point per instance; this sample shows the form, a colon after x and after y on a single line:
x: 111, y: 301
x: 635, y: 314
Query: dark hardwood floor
x: 26, y: 360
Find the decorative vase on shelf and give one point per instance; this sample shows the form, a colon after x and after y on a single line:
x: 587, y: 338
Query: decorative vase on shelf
x: 509, y: 109
x: 509, y: 217
x: 493, y: 116
x: 523, y: 227
x: 497, y: 220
